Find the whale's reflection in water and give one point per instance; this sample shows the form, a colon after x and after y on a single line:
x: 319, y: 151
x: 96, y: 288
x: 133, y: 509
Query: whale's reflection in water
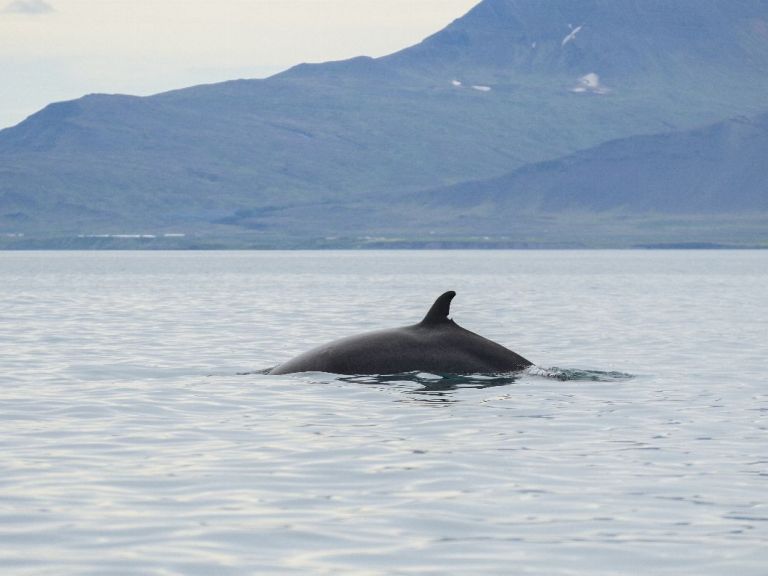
x: 442, y: 388
x: 435, y: 388
x: 436, y: 382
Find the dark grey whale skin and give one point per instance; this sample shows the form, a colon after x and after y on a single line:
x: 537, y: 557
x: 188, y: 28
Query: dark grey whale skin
x: 436, y: 344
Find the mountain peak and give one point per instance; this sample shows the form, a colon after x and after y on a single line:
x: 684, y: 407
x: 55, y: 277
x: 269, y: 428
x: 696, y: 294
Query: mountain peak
x: 612, y: 37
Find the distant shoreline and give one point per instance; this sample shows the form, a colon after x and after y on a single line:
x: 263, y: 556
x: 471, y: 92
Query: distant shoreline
x: 202, y: 245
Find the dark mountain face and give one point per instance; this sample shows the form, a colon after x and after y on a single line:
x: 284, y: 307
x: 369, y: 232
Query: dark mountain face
x: 512, y: 83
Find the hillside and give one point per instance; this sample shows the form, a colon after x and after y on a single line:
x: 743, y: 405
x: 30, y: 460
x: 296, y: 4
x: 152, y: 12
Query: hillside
x: 340, y: 147
x: 719, y: 169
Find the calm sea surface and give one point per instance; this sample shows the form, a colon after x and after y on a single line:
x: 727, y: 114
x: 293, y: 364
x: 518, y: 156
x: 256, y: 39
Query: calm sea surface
x: 130, y: 444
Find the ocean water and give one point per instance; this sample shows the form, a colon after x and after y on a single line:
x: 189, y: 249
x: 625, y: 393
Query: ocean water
x: 137, y: 438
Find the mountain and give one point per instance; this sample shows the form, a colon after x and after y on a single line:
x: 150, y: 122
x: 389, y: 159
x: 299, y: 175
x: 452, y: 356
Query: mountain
x: 346, y: 148
x: 622, y: 40
x: 719, y: 169
x: 701, y: 187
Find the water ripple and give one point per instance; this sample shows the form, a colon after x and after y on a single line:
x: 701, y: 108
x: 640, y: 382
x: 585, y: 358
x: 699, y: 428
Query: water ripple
x: 130, y: 444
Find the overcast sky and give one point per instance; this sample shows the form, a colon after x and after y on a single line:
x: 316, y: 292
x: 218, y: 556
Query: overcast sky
x: 53, y: 50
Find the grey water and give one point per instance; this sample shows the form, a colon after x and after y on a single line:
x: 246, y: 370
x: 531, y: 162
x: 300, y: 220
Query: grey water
x: 136, y: 437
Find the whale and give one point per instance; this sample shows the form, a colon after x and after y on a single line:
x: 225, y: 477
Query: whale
x: 436, y: 345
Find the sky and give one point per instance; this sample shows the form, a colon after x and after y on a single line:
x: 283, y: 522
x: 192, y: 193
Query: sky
x: 53, y: 50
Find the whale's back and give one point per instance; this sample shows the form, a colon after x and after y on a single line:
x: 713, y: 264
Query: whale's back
x: 441, y: 349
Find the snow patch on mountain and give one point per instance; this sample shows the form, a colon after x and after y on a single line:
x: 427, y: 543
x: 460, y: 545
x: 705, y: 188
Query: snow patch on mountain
x: 572, y: 36
x: 590, y: 84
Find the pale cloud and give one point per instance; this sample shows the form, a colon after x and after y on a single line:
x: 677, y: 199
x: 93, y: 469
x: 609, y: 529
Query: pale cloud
x: 28, y: 7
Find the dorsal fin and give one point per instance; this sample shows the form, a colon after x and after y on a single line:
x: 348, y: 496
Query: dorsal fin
x: 440, y: 310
